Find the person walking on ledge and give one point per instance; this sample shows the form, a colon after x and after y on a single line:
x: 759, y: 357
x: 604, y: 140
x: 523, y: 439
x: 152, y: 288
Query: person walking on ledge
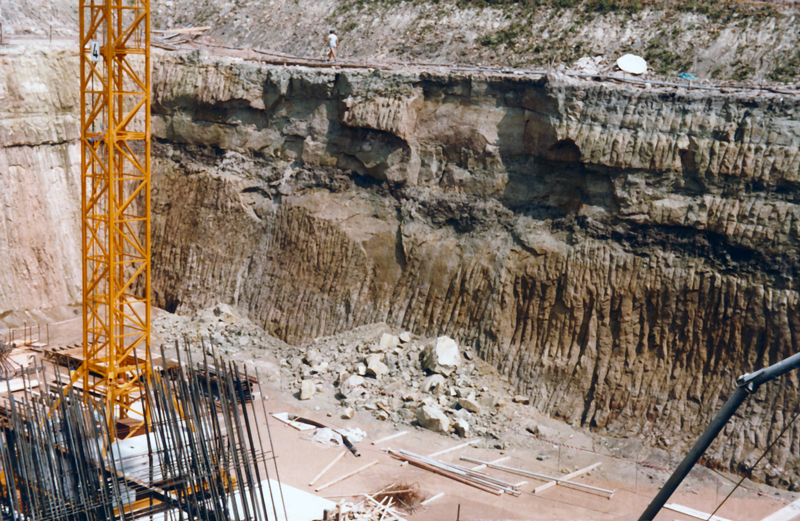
x: 333, y: 42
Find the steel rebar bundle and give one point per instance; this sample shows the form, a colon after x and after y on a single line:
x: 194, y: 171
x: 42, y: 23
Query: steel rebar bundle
x: 199, y: 457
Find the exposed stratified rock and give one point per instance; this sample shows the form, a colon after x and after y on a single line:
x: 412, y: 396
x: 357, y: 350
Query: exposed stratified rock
x: 40, y: 189
x: 433, y: 419
x: 620, y: 255
x: 442, y: 356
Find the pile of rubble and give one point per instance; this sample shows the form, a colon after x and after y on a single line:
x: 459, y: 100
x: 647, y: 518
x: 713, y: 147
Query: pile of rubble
x: 404, y: 379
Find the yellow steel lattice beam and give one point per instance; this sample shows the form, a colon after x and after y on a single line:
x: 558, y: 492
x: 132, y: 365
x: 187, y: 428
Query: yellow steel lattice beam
x: 115, y: 162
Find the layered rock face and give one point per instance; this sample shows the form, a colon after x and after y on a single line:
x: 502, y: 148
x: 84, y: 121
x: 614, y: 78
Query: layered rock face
x: 40, y: 234
x: 621, y: 254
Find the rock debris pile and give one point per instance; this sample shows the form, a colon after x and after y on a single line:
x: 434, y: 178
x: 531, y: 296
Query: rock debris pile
x: 433, y: 383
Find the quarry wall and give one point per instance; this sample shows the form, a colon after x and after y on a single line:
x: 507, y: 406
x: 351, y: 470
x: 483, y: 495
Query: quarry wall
x: 40, y: 233
x: 620, y: 254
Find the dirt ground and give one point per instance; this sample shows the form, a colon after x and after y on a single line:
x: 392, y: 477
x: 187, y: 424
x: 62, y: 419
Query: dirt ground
x: 299, y: 459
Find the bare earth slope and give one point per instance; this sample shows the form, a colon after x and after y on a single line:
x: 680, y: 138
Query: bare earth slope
x: 620, y: 254
x: 739, y: 40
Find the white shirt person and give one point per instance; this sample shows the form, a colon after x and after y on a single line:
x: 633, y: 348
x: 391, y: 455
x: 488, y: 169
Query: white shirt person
x: 333, y: 43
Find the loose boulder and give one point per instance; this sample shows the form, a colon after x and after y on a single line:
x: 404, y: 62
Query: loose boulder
x: 433, y: 383
x: 307, y: 389
x: 433, y: 419
x: 441, y: 356
x: 386, y: 343
x: 352, y: 388
x: 462, y: 428
x: 375, y: 367
x: 470, y: 404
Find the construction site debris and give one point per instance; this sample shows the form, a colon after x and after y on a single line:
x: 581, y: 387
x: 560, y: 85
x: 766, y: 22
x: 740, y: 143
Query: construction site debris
x: 386, y: 343
x: 451, y: 449
x: 349, y: 436
x: 457, y: 473
x: 632, y: 64
x: 182, y: 31
x: 405, y: 495
x: 334, y: 364
x: 432, y: 499
x: 552, y: 481
x: 692, y: 512
x: 327, y: 436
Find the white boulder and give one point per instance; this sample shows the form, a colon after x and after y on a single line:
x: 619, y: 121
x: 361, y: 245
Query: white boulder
x: 433, y: 419
x: 442, y: 356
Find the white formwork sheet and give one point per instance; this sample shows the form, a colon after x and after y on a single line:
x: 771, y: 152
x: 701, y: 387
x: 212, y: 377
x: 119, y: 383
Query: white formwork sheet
x: 300, y: 505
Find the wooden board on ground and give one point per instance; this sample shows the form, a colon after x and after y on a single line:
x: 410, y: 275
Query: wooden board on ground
x: 300, y: 426
x: 567, y: 477
x: 787, y: 513
x: 692, y: 512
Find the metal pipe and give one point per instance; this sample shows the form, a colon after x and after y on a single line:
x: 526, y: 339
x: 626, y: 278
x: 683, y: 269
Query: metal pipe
x: 536, y: 475
x: 747, y: 384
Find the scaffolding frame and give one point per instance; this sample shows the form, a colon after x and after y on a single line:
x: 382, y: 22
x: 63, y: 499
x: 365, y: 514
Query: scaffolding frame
x: 115, y: 215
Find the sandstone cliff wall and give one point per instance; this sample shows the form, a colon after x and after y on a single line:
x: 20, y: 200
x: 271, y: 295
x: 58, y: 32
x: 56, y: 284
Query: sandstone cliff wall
x: 39, y: 179
x: 621, y: 254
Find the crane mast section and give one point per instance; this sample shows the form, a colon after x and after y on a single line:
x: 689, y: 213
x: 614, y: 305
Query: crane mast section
x: 115, y: 165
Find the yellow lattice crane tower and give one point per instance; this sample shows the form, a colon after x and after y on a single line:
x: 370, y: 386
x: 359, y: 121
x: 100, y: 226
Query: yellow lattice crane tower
x: 115, y: 163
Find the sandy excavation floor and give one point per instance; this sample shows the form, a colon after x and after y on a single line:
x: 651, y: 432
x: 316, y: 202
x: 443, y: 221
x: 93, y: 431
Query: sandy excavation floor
x: 299, y: 459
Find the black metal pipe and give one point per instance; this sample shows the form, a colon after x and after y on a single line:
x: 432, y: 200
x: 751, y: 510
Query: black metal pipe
x: 747, y: 384
x: 696, y: 452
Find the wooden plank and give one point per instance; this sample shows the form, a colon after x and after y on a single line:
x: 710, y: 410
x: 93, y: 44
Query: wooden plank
x: 300, y: 426
x: 326, y: 469
x: 483, y: 465
x: 567, y: 477
x: 431, y: 500
x: 693, y: 513
x: 787, y: 513
x: 387, y: 438
x: 457, y: 447
x: 349, y: 474
x: 17, y: 384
